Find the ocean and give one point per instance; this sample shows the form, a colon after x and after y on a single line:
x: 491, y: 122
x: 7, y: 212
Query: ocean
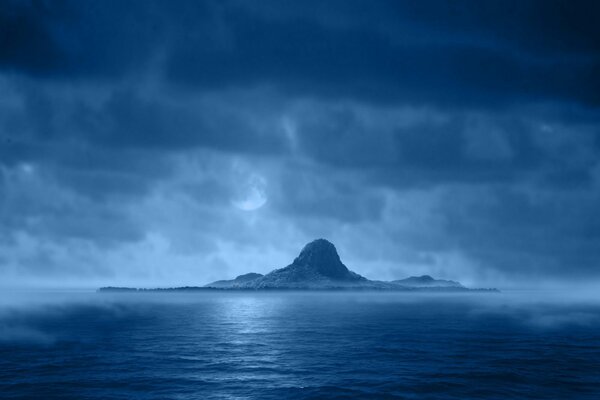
x: 298, y: 345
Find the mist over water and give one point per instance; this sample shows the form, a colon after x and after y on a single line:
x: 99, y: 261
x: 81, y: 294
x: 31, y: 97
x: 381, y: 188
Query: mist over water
x: 299, y: 345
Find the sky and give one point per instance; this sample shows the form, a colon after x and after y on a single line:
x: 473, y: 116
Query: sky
x: 171, y: 143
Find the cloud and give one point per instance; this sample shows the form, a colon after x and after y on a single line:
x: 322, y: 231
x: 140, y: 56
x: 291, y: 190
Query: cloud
x: 442, y: 54
x: 439, y: 138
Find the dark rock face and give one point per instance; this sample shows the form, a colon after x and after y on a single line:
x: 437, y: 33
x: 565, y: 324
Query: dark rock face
x: 321, y: 256
x: 426, y: 281
x: 247, y: 277
x: 232, y: 283
x: 318, y: 265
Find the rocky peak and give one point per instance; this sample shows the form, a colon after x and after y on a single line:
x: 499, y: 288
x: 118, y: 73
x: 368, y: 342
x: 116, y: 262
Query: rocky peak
x: 247, y: 277
x: 424, y: 278
x: 321, y: 255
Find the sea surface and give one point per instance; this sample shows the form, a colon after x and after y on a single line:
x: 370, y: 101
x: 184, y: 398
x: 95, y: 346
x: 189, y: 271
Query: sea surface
x: 294, y: 345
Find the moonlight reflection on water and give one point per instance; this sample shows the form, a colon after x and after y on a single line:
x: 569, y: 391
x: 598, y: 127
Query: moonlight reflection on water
x: 298, y: 345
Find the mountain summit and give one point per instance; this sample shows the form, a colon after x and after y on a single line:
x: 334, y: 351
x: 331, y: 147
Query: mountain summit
x: 321, y: 256
x: 317, y: 266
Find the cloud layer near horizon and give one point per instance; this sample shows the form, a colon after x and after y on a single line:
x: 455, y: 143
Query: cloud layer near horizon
x: 447, y: 138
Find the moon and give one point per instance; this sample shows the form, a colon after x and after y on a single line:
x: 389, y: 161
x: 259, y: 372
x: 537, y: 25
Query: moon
x: 253, y: 197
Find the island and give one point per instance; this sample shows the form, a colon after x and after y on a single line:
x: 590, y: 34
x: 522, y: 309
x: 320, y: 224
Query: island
x: 317, y: 267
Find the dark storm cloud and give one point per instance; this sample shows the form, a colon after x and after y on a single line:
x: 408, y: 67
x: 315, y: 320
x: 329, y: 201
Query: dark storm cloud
x: 65, y: 39
x: 439, y: 52
x: 415, y: 147
x: 121, y: 118
x: 364, y: 65
x: 528, y: 232
x: 410, y: 133
x: 33, y: 202
x: 306, y: 192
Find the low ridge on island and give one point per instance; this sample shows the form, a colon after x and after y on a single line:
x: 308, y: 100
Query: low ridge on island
x: 317, y: 267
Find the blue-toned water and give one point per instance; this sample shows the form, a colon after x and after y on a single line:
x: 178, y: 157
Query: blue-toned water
x: 298, y: 346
